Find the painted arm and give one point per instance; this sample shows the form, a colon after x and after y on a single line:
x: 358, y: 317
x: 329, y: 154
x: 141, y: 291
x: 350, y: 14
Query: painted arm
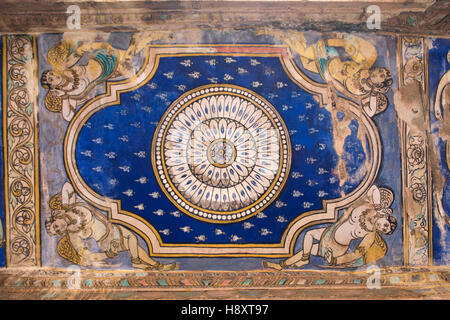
x: 88, y: 257
x: 360, y: 50
x: 358, y: 253
x: 440, y: 100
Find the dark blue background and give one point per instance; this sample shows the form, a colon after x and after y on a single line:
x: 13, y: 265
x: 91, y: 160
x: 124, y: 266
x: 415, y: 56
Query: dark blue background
x: 438, y: 65
x: 290, y: 101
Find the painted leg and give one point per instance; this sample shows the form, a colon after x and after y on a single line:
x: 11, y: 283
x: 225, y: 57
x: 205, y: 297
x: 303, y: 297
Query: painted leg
x: 302, y: 257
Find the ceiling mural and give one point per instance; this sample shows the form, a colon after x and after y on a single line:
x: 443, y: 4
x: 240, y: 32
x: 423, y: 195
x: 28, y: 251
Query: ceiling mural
x: 260, y: 149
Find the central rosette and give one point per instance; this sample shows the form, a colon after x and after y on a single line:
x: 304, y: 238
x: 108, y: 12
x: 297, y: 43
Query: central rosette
x: 221, y: 153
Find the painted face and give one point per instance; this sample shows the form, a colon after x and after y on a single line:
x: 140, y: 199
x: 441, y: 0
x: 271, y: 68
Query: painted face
x: 53, y: 79
x: 58, y: 227
x: 382, y: 225
x: 379, y: 75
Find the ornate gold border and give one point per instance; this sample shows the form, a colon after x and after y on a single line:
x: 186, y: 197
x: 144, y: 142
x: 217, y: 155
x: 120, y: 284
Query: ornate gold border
x: 146, y: 231
x: 20, y: 151
x: 414, y: 184
x: 288, y: 149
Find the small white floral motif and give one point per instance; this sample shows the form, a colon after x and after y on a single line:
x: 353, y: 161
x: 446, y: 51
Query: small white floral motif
x: 111, y: 155
x: 128, y: 192
x: 147, y: 109
x: 312, y: 130
x: 272, y: 95
x: 109, y: 126
x: 87, y: 125
x: 141, y: 180
x: 136, y: 97
x: 123, y: 138
x: 285, y: 107
x: 218, y: 232
x: 265, y: 232
x: 175, y: 214
x: 113, y: 181
x: 280, y: 204
x: 308, y: 105
x: 311, y: 160
x: 154, y: 195
x: 187, y: 63
x: 140, y: 154
x: 165, y: 232
x: 299, y: 147
x: 211, y: 62
x: 162, y: 96
x: 201, y: 238
x: 322, y: 146
x: 281, y: 219
x: 235, y: 238
x: 97, y: 140
x: 256, y: 84
x: 261, y: 215
x: 321, y: 171
x: 281, y: 85
x: 242, y: 70
x: 87, y: 153
x: 186, y: 229
x: 254, y: 62
x: 125, y: 168
x: 123, y: 112
x: 297, y: 194
x: 159, y: 212
x: 140, y: 207
x: 152, y: 85
x: 248, y: 225
x: 332, y: 180
x: 135, y: 124
x: 311, y: 183
x: 213, y: 79
x: 181, y: 87
x: 307, y: 205
x: 168, y: 75
x: 229, y: 60
x: 194, y: 75
x: 227, y: 77
x: 322, y: 194
x: 320, y: 116
x: 98, y: 169
x: 297, y: 175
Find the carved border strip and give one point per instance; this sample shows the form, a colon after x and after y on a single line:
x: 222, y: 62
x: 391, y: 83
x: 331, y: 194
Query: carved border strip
x: 416, y: 177
x: 45, y: 279
x: 20, y: 151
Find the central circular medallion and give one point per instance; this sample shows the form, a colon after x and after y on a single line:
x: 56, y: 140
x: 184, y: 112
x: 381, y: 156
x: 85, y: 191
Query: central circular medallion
x: 221, y: 153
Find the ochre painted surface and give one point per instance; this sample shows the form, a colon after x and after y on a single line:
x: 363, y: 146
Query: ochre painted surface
x: 262, y: 158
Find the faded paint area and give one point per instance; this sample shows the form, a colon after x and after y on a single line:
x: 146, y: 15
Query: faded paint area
x: 101, y: 172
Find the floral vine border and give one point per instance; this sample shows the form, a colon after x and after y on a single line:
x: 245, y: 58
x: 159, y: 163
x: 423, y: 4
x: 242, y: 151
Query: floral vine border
x: 416, y: 175
x: 20, y: 151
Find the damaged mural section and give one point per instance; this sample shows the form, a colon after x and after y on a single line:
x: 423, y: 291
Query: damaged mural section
x: 264, y: 150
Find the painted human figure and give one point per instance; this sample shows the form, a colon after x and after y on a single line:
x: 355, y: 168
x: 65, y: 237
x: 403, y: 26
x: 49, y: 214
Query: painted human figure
x: 77, y: 222
x: 442, y: 114
x: 365, y: 221
x: 70, y: 84
x: 356, y: 77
